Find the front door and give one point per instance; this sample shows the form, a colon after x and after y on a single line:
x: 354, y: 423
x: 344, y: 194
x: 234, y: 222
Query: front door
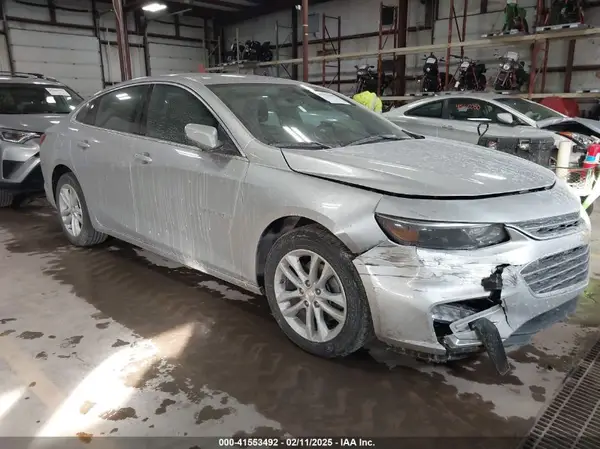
x: 185, y: 198
x: 101, y: 150
x: 465, y: 115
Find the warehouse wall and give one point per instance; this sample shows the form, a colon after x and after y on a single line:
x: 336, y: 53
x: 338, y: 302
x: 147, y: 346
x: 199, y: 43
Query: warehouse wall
x: 362, y: 16
x: 70, y: 51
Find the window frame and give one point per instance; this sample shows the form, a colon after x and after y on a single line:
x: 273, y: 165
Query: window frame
x: 409, y: 112
x: 236, y: 151
x: 480, y: 100
x: 101, y: 95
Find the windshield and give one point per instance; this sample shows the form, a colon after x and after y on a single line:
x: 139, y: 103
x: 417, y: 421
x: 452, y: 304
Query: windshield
x: 298, y: 116
x: 531, y: 109
x: 37, y: 99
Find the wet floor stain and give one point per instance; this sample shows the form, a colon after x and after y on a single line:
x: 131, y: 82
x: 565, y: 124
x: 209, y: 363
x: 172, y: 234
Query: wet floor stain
x: 7, y: 332
x: 103, y: 325
x: 7, y: 320
x: 119, y: 343
x: 71, y: 342
x: 42, y: 355
x: 210, y: 413
x: 84, y: 437
x: 235, y: 348
x: 29, y: 335
x: 32, y: 384
x: 119, y: 415
x: 163, y: 407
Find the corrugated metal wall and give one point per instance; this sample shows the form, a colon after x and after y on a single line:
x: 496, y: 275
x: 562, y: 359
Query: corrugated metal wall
x: 72, y: 53
x: 362, y: 16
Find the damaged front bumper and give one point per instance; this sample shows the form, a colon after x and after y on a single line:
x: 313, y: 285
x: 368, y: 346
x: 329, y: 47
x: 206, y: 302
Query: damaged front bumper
x: 440, y: 304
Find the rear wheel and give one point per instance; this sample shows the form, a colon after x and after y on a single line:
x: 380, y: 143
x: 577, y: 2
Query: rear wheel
x: 73, y: 213
x: 316, y: 294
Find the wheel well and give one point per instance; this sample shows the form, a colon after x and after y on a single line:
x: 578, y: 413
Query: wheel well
x: 268, y: 238
x: 59, y: 170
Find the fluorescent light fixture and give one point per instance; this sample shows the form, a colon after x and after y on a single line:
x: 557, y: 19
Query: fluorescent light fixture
x: 154, y: 7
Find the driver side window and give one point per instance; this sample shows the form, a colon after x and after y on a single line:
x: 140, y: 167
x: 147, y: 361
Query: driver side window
x: 171, y: 108
x: 470, y: 109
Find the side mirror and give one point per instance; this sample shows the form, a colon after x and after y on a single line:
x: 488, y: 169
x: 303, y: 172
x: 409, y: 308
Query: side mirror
x: 206, y: 137
x: 505, y: 118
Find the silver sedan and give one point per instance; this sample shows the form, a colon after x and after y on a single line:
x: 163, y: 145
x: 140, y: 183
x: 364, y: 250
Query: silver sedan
x: 353, y: 229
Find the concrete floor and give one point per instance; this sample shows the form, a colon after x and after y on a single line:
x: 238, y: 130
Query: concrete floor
x: 116, y: 341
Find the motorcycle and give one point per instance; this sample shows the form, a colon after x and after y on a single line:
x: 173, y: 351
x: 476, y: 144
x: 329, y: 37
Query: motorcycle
x: 470, y: 74
x: 367, y: 79
x: 565, y: 11
x: 512, y: 74
x: 515, y: 18
x: 433, y: 80
x: 232, y: 54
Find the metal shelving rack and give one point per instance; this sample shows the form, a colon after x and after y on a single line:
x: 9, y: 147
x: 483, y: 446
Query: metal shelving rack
x: 486, y: 42
x: 335, y: 45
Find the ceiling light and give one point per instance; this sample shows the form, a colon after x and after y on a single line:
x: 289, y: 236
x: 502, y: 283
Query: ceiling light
x: 154, y: 7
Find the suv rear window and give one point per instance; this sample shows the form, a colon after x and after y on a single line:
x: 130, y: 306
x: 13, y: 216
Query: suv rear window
x: 37, y: 99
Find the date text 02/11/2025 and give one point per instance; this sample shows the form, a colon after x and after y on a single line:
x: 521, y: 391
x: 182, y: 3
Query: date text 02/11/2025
x: 292, y: 442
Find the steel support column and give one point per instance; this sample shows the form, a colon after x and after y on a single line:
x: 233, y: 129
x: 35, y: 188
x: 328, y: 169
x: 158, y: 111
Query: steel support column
x: 305, y: 41
x: 8, y: 40
x: 400, y: 61
x: 122, y: 40
x: 294, y: 42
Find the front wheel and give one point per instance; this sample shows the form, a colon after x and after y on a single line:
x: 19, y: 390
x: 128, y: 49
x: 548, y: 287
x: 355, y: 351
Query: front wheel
x: 73, y: 213
x: 6, y: 198
x: 316, y: 294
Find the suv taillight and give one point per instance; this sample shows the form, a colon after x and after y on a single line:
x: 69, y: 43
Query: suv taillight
x: 42, y: 138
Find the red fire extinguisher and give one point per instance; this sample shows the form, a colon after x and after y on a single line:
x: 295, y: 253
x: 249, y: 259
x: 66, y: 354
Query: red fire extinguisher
x: 592, y: 159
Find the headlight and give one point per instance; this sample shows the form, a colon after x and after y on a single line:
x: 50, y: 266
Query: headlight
x: 580, y: 139
x: 506, y: 66
x: 448, y: 236
x: 14, y: 136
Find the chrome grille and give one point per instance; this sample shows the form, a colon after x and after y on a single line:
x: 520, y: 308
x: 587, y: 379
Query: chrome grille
x: 550, y: 227
x: 558, y: 271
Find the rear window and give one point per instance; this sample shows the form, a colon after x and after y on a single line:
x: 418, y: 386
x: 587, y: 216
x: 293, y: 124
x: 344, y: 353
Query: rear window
x: 37, y: 99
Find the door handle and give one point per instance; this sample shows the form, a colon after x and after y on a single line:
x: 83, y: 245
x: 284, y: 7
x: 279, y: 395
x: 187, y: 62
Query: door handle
x: 447, y: 127
x: 144, y: 158
x: 83, y: 144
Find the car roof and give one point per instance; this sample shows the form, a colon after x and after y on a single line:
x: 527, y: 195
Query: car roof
x: 28, y: 78
x: 214, y: 78
x: 489, y: 96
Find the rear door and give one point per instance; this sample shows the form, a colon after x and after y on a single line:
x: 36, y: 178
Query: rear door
x: 425, y: 119
x: 102, y: 147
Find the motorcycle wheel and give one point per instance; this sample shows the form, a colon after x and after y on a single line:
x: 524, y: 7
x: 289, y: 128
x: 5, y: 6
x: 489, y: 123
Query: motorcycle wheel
x: 499, y: 85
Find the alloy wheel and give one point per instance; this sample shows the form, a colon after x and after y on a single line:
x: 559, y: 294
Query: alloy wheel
x: 310, y: 296
x: 70, y: 210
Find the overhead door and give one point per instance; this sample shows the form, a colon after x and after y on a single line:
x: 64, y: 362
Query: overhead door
x: 175, y: 58
x: 67, y: 55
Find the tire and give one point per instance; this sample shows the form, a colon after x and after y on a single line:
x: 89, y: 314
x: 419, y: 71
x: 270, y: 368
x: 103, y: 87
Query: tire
x: 6, y: 198
x: 357, y: 328
x: 88, y: 236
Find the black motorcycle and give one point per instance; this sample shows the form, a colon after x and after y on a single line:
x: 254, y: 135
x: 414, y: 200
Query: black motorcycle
x: 565, y: 11
x: 512, y: 74
x: 232, y: 54
x: 470, y: 75
x: 433, y: 80
x: 367, y: 79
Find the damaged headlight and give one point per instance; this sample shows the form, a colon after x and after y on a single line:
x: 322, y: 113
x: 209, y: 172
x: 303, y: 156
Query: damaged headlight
x: 580, y: 139
x: 446, y: 236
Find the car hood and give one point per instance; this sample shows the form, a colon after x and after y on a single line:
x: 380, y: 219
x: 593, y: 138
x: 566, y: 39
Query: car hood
x: 30, y: 122
x: 594, y: 125
x: 423, y: 168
